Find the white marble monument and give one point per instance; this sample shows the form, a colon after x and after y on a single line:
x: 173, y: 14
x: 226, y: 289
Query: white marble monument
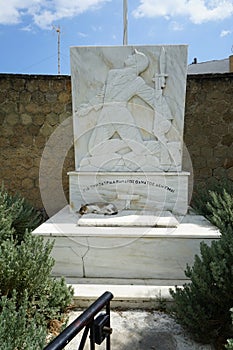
x: 128, y: 117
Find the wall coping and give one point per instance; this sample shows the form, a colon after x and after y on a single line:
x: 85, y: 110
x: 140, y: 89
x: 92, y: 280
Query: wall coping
x: 62, y: 76
x: 34, y: 76
x: 210, y: 76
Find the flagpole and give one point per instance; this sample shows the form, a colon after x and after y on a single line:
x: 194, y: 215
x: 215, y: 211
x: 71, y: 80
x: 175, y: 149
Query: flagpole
x: 125, y: 20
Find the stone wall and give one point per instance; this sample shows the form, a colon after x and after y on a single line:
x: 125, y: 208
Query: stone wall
x: 33, y: 106
x: 208, y: 132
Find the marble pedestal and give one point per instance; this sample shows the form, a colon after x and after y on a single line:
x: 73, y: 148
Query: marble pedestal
x: 164, y: 191
x: 128, y: 253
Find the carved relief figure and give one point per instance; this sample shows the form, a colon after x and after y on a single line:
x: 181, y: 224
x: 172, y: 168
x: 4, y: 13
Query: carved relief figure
x: 116, y: 134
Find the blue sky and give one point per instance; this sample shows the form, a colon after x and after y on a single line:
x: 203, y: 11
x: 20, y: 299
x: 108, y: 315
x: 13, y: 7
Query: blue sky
x: 28, y: 36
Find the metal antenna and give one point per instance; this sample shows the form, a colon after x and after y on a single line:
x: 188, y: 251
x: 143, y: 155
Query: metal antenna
x: 58, y: 30
x: 125, y: 21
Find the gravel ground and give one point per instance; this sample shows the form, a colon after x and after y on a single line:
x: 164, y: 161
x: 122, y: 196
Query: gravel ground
x: 143, y: 330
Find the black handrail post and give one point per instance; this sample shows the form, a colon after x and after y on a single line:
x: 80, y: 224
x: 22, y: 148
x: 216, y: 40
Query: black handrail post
x: 92, y: 336
x: 108, y: 343
x: 84, y: 338
x: 86, y: 319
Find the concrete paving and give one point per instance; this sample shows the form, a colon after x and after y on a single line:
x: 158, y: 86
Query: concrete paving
x: 143, y: 330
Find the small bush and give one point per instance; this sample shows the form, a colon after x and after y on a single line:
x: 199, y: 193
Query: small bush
x: 18, y: 330
x: 23, y: 216
x: 202, y: 306
x: 27, y: 289
x: 221, y: 208
x: 203, y: 194
x: 229, y: 345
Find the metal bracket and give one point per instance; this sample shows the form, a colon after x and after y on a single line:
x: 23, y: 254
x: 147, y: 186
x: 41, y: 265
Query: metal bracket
x: 101, y: 328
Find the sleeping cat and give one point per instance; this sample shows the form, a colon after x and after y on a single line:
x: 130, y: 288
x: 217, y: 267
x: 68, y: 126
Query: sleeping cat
x: 98, y: 208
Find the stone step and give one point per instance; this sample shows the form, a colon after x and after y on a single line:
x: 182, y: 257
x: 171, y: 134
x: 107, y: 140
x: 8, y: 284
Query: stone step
x: 128, y: 294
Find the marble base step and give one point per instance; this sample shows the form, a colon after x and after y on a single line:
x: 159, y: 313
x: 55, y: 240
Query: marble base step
x: 128, y: 294
x: 159, y: 253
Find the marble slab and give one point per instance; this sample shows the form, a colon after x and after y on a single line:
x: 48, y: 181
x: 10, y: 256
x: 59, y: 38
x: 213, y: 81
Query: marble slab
x: 128, y: 218
x: 128, y: 107
x: 125, y: 252
x: 133, y: 191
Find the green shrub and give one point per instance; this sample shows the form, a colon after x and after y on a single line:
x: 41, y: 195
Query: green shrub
x: 23, y: 215
x: 229, y: 345
x: 203, y: 194
x: 27, y: 287
x: 18, y: 330
x: 202, y: 306
x: 221, y: 208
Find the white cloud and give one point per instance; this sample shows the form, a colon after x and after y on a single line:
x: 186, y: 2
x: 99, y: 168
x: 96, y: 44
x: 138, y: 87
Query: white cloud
x: 27, y: 28
x: 176, y: 26
x: 198, y: 11
x: 96, y: 29
x: 82, y: 35
x: 44, y: 12
x: 225, y: 33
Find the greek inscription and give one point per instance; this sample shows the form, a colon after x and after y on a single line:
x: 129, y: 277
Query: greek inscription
x: 128, y: 181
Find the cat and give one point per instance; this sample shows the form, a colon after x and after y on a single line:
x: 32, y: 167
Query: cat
x: 98, y: 208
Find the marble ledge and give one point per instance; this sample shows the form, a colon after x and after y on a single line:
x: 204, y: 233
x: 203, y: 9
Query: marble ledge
x: 127, y: 173
x: 64, y: 224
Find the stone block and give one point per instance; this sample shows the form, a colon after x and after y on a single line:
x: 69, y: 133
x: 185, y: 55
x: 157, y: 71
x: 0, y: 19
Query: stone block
x: 57, y: 85
x: 44, y: 85
x: 25, y: 97
x: 33, y: 108
x: 227, y: 139
x: 27, y: 140
x: 27, y: 183
x: 32, y: 85
x: 219, y: 173
x: 220, y: 151
x: 39, y: 119
x: 64, y: 97
x: 205, y: 172
x: 52, y: 119
x: 26, y: 119
x: 18, y: 84
x: 38, y: 97
x: 230, y: 173
x: 228, y: 163
x: 51, y: 96
x: 46, y: 129
x: 12, y: 119
x: 5, y: 84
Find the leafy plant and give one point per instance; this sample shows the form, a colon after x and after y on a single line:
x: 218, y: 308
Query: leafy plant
x: 27, y: 289
x: 221, y: 208
x: 18, y: 330
x: 203, y: 194
x: 202, y: 306
x: 24, y: 216
x: 229, y: 345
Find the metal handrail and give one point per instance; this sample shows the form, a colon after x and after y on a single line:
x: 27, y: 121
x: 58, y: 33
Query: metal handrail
x: 86, y: 319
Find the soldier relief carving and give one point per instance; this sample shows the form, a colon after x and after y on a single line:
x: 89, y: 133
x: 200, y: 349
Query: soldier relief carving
x: 118, y: 142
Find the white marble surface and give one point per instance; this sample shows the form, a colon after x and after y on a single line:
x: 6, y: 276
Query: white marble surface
x: 121, y: 252
x: 135, y: 191
x: 130, y: 218
x: 128, y: 107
